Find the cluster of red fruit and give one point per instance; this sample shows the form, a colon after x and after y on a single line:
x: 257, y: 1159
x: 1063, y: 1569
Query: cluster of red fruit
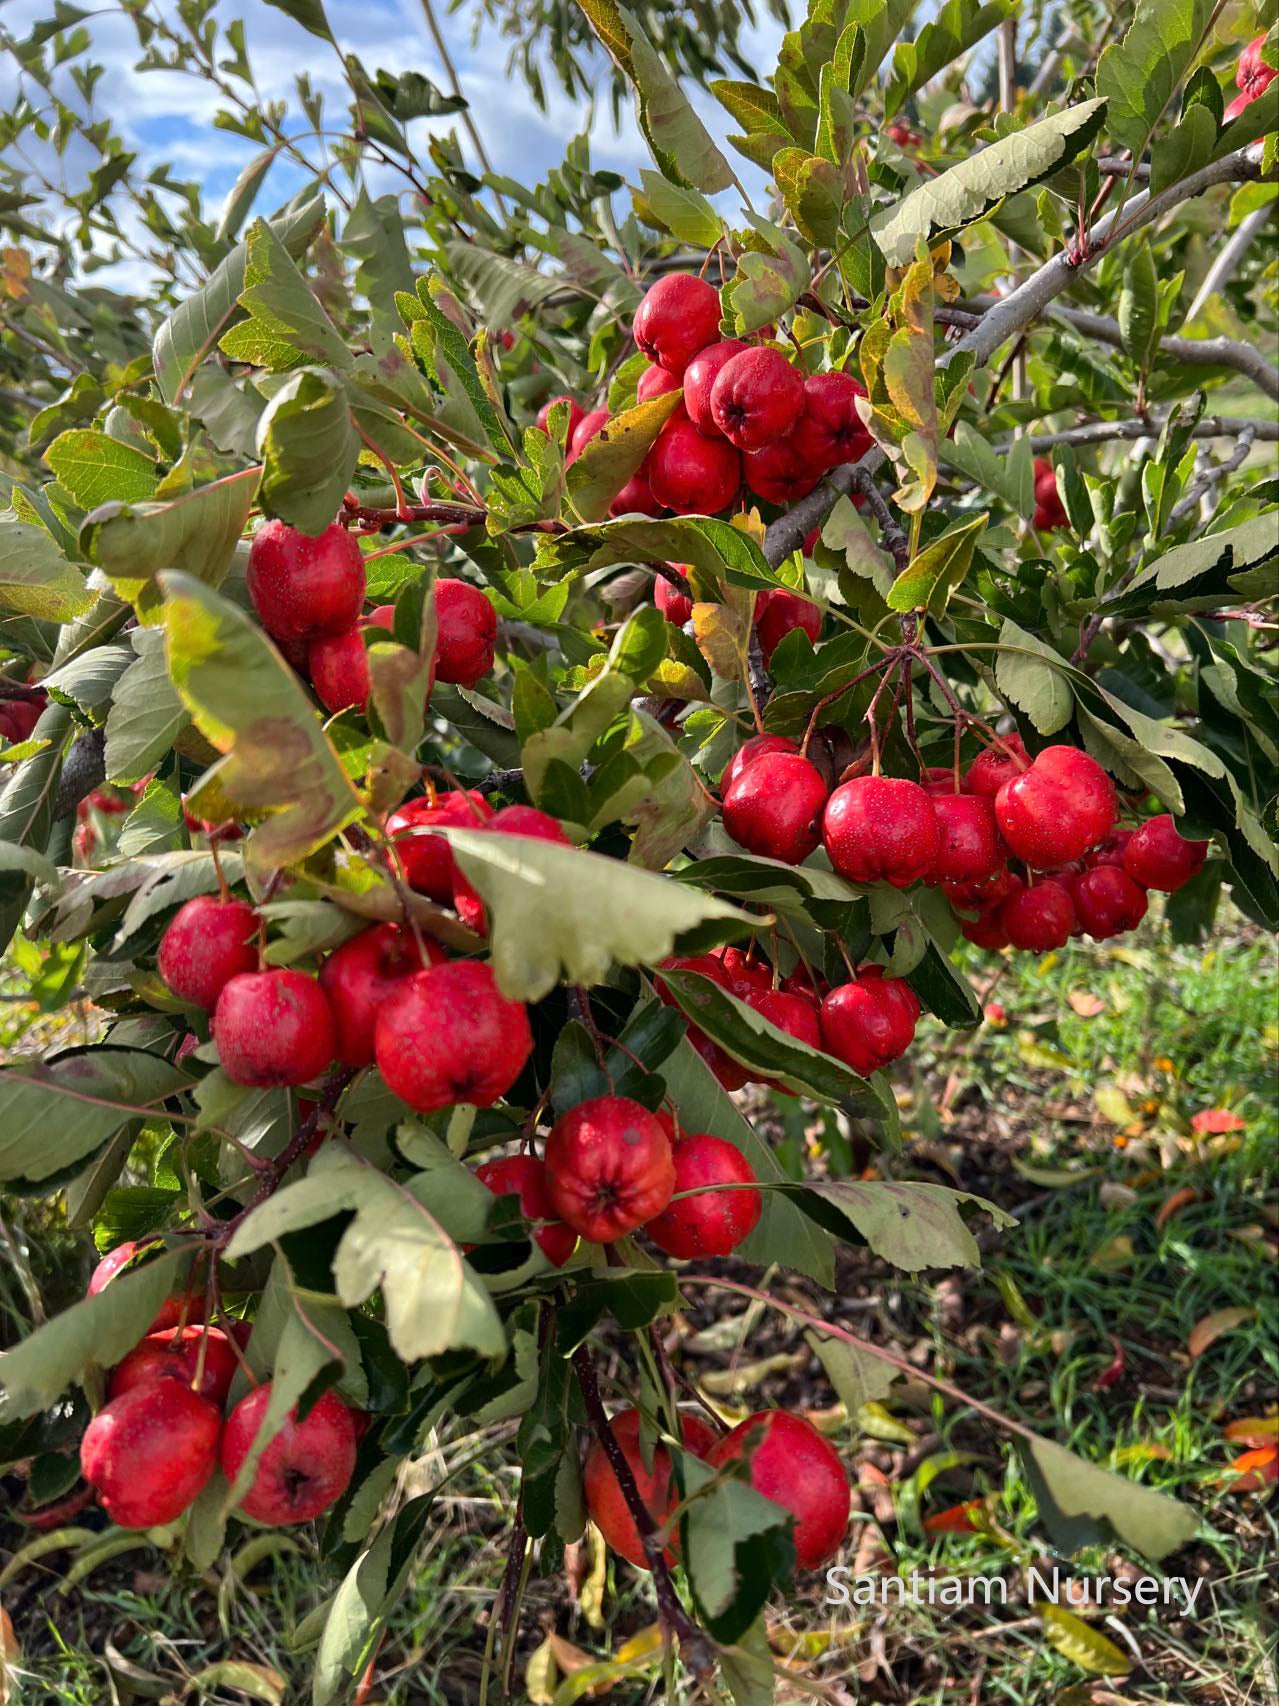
x: 1252, y: 78
x: 777, y: 610
x: 154, y: 1445
x: 1050, y: 512
x: 746, y: 414
x: 18, y: 717
x: 786, y: 1460
x: 309, y: 595
x: 1055, y: 814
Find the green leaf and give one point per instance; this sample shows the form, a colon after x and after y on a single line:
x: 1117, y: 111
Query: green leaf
x: 1189, y: 576
x: 882, y: 22
x: 146, y: 715
x: 26, y: 810
x: 1138, y: 76
x: 1138, y: 307
x: 911, y: 1226
x: 607, y: 462
x: 857, y: 1376
x: 453, y: 347
x: 968, y: 191
x: 282, y: 306
x: 248, y: 703
x: 243, y: 193
x: 95, y: 468
x: 308, y: 13
x: 737, y: 1545
x: 684, y: 212
x: 1005, y: 474
x: 1076, y: 1497
x: 620, y: 915
x: 768, y: 282
x: 35, y: 578
x: 196, y: 532
x: 55, y: 1114
x: 755, y: 109
x: 715, y: 549
x: 959, y: 25
x: 309, y: 448
x: 938, y: 570
x: 1041, y: 689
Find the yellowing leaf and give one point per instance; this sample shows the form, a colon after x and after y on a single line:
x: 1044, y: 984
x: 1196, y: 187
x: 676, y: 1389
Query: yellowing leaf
x: 1082, y: 1645
x: 1113, y: 1105
x: 1207, y: 1331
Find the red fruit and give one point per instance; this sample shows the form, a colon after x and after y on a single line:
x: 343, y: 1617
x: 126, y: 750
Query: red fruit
x: 1045, y: 478
x: 150, y: 1452
x: 338, y: 666
x: 986, y: 930
x: 590, y: 426
x: 869, y: 1022
x: 1108, y: 902
x: 774, y: 807
x: 731, y: 1074
x: 756, y: 398
x: 171, y: 1311
x: 995, y: 1013
x: 969, y: 849
x: 938, y: 779
x: 758, y: 746
x: 524, y: 1176
x: 777, y: 612
x: 511, y: 820
x: 985, y: 893
x: 996, y: 765
x: 273, y: 1027
x: 803, y: 981
x: 425, y: 857
x: 780, y: 473
x: 448, y: 1035
x: 1158, y: 857
x: 707, y: 965
x: 381, y: 616
x: 1253, y: 75
x: 467, y: 633
x: 791, y: 1464
x: 699, y: 382
x: 609, y: 1167
x: 18, y: 717
x: 175, y: 1355
x: 655, y: 382
x: 635, y: 498
x: 830, y: 431
x: 301, y: 586
x: 794, y: 1014
x: 357, y: 978
x: 677, y: 607
x: 678, y: 317
x: 743, y: 977
x: 903, y: 135
x: 207, y: 943
x: 690, y: 474
x: 305, y: 1468
x: 881, y: 829
x: 1039, y: 918
x: 712, y: 1221
x: 1111, y: 851
x: 574, y: 413
x: 604, y: 1499
x: 1050, y: 515
x: 1059, y: 808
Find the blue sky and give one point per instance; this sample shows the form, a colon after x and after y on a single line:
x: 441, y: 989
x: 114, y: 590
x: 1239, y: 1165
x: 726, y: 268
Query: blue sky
x: 168, y: 117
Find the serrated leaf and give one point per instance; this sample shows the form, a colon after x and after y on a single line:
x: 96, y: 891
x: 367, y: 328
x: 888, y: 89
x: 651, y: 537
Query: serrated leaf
x: 911, y: 1226
x: 1138, y: 76
x: 95, y: 468
x: 608, y: 461
x: 196, y: 532
x: 309, y: 448
x: 146, y: 715
x: 938, y: 570
x: 684, y: 212
x: 55, y: 1114
x: 1035, y: 678
x: 35, y: 578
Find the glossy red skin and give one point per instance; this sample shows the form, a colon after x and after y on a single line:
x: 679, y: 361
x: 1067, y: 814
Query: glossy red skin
x: 756, y: 398
x: 357, y: 978
x: 604, y: 1498
x: 779, y: 473
x: 679, y: 316
x: 338, y: 666
x: 792, y: 1013
x: 304, y: 1469
x: 510, y: 820
x: 449, y: 1035
x: 655, y: 382
x: 987, y: 929
x: 758, y: 746
x: 1108, y: 902
x: 830, y: 431
x: 937, y: 779
x: 524, y: 1176
x: 711, y: 1222
x: 150, y: 1452
x: 1111, y: 851
x: 903, y: 135
x: 18, y: 717
x: 635, y: 498
x: 778, y: 612
x: 1158, y: 857
x: 171, y: 1311
x: 730, y: 1073
x: 273, y: 1027
x: 467, y: 633
x: 1050, y: 514
x: 692, y: 475
x: 1045, y: 478
x: 1040, y: 918
x: 986, y: 893
x: 303, y: 587
x: 969, y: 849
x: 803, y: 981
x: 574, y: 413
x: 426, y: 859
x: 996, y: 765
x: 207, y: 943
x: 791, y: 1464
x: 590, y: 426
x: 881, y: 829
x: 677, y: 607
x: 175, y: 1355
x: 381, y: 616
x: 774, y: 807
x: 741, y: 976
x: 870, y: 1021
x: 699, y: 382
x: 1058, y: 809
x: 609, y: 1167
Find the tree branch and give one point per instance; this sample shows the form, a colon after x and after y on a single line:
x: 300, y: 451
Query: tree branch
x: 1223, y: 268
x: 1194, y: 352
x: 1109, y: 432
x: 1213, y: 475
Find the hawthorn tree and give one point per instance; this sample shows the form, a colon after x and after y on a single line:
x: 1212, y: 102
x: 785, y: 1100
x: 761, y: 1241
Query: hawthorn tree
x: 492, y: 670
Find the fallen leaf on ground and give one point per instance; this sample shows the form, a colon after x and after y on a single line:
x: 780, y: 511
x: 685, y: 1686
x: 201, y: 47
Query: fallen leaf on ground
x: 1211, y: 1328
x: 1085, y: 1003
x: 1253, y: 1430
x: 1175, y: 1203
x: 956, y: 1519
x: 1254, y: 1470
x: 1217, y: 1120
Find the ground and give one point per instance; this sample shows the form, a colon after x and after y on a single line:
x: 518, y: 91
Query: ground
x: 1074, y: 1111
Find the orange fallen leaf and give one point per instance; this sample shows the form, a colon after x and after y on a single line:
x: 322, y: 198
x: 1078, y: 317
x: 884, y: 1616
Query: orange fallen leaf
x: 10, y: 1657
x: 1177, y: 1201
x: 956, y: 1519
x: 1211, y: 1328
x: 1217, y: 1120
x: 1256, y: 1469
x: 1253, y: 1430
x: 1085, y: 1003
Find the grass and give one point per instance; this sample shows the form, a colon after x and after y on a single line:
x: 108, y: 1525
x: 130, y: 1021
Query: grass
x: 1076, y: 1115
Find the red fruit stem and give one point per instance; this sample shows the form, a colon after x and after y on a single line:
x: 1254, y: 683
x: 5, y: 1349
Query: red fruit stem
x: 696, y: 1649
